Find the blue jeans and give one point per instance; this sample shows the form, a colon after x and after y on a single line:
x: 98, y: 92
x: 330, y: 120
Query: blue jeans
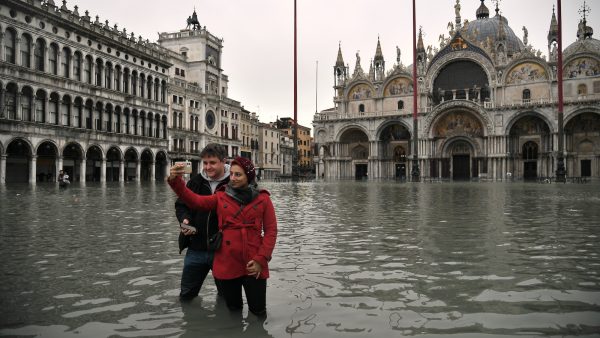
x: 196, y: 266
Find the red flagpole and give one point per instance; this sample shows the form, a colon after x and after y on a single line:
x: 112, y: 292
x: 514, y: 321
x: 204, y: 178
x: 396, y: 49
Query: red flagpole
x: 295, y: 156
x: 415, y: 173
x: 561, y: 172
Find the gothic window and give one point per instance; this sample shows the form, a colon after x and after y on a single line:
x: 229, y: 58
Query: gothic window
x: 38, y: 54
x: 87, y: 70
x: 26, y: 51
x: 53, y: 59
x: 361, y: 108
x: 77, y: 66
x: 65, y: 62
x: 400, y: 105
x: 526, y: 95
x: 530, y: 151
x: 9, y: 46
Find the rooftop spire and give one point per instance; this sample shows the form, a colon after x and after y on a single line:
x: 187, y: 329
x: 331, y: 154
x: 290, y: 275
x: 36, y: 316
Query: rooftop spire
x: 553, y: 31
x: 340, y: 59
x: 482, y: 12
x: 378, y: 53
x: 584, y: 31
x: 420, y: 46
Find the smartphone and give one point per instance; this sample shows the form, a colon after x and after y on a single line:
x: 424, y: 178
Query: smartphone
x: 189, y: 227
x: 187, y: 166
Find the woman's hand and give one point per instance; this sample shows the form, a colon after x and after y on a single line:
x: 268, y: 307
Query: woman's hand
x: 253, y: 268
x: 176, y: 170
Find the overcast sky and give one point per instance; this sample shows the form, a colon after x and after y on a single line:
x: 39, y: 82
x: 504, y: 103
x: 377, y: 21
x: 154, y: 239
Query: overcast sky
x: 258, y: 37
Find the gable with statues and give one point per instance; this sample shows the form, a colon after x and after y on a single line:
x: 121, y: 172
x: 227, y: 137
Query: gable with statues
x: 487, y: 107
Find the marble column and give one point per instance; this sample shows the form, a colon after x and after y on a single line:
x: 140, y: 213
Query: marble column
x: 121, y: 171
x: 32, y: 169
x: 138, y: 171
x: 82, y: 167
x: 2, y: 169
x: 59, y: 165
x: 103, y: 170
x: 152, y: 171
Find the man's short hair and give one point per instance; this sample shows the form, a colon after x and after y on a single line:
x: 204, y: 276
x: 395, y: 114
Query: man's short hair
x: 213, y: 149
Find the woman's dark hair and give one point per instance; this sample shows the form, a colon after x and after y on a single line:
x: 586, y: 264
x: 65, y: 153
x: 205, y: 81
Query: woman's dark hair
x: 213, y: 149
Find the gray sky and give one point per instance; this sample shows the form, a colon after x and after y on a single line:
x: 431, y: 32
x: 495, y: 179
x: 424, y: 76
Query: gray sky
x: 258, y: 37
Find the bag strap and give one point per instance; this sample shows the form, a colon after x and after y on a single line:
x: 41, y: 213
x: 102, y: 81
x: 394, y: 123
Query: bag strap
x: 234, y: 216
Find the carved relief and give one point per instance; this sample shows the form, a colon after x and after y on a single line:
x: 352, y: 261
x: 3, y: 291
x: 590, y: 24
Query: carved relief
x: 529, y: 125
x: 398, y: 86
x: 526, y: 72
x: 360, y: 92
x: 582, y: 67
x: 459, y: 123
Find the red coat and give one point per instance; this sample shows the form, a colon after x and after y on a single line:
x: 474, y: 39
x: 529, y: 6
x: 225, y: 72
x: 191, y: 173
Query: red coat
x: 243, y: 238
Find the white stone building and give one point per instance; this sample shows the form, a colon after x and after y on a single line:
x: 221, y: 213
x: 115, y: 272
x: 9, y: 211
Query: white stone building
x: 78, y: 94
x: 269, y: 161
x: 200, y: 111
x: 487, y: 107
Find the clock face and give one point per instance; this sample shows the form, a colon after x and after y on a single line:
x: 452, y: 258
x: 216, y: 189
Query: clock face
x: 210, y: 119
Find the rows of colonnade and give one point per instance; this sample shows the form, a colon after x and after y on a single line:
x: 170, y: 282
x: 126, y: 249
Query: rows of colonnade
x: 36, y: 53
x: 22, y: 161
x: 36, y: 105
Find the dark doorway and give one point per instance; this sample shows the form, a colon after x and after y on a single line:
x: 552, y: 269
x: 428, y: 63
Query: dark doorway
x: 460, y: 167
x: 586, y: 168
x: 361, y: 171
x: 400, y: 171
x: 530, y: 170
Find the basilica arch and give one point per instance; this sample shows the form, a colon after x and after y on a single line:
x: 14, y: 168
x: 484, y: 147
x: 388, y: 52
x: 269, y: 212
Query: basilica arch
x: 457, y: 138
x: 530, y: 146
x: 354, y: 149
x: 394, y: 145
x: 582, y: 143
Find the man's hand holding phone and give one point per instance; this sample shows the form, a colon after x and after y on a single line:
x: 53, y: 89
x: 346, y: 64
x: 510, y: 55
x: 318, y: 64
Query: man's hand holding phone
x: 187, y: 229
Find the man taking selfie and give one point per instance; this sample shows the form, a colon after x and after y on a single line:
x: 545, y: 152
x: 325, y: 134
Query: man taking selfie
x: 197, y: 226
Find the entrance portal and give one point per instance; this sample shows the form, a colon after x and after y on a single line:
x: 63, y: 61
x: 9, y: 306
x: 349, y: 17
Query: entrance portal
x: 586, y: 168
x: 460, y: 167
x: 361, y: 171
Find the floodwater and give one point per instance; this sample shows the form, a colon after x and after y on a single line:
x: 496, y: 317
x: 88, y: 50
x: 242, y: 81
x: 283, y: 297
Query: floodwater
x: 353, y: 259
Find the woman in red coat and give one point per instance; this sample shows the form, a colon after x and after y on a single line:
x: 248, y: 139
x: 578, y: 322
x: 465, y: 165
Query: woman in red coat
x: 247, y: 221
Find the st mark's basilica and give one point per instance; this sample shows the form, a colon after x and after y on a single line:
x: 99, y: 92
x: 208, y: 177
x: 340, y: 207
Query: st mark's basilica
x: 487, y: 107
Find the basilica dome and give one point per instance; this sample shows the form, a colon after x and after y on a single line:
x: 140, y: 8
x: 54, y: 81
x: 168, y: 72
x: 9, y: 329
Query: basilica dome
x: 582, y: 46
x: 479, y: 30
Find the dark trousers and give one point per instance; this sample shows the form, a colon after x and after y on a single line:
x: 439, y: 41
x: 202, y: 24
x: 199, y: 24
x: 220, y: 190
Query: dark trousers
x: 255, y: 289
x: 196, y: 266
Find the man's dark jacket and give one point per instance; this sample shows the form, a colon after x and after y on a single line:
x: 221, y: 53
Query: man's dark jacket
x: 206, y: 222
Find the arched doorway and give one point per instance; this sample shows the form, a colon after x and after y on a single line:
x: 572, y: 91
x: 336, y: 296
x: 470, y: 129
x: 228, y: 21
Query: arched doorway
x: 582, y: 137
x: 113, y: 163
x: 146, y: 165
x: 72, y: 157
x: 400, y: 162
x: 460, y: 152
x: 17, y: 161
x: 530, y: 141
x: 131, y: 160
x: 46, y: 162
x: 394, y: 149
x: 94, y: 161
x: 354, y: 144
x: 161, y: 166
x: 455, y: 135
x: 530, y: 158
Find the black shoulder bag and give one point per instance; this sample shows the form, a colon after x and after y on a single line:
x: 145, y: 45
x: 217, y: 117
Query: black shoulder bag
x: 214, y: 242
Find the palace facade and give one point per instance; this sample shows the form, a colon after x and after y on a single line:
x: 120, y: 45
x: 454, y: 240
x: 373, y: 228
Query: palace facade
x: 80, y: 95
x: 487, y: 108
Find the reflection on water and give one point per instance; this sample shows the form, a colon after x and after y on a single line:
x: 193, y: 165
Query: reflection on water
x: 352, y: 259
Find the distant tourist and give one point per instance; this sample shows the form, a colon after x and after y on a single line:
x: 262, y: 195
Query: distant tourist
x: 197, y: 226
x: 245, y: 214
x: 63, y: 178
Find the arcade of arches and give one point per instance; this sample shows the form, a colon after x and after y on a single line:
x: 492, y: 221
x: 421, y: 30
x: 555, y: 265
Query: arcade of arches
x: 22, y: 161
x: 458, y: 146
